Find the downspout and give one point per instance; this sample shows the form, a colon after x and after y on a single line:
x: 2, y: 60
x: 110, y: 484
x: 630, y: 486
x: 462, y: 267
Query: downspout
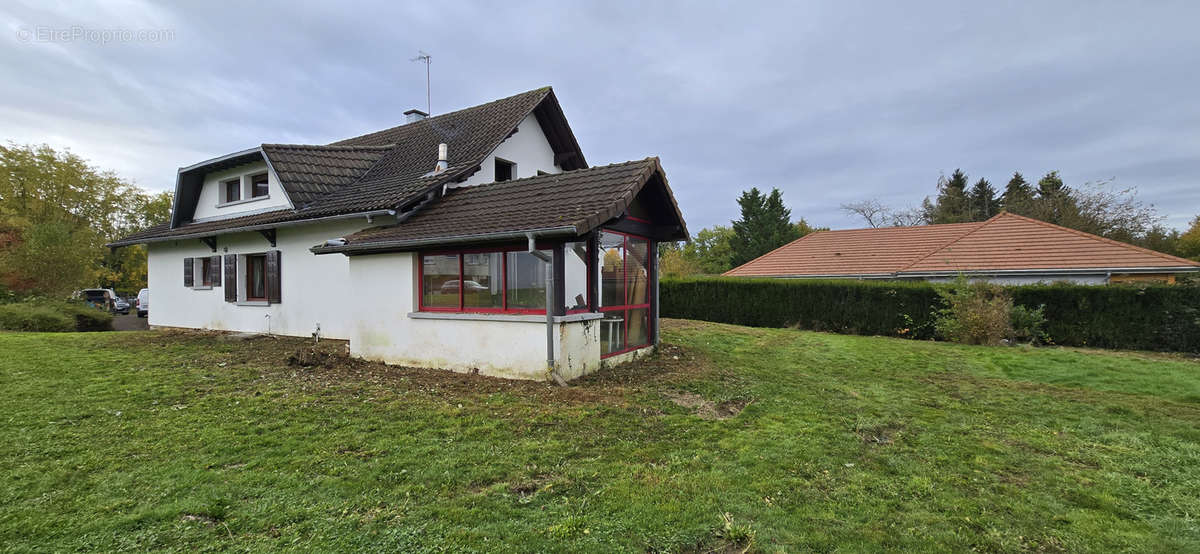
x: 549, y: 261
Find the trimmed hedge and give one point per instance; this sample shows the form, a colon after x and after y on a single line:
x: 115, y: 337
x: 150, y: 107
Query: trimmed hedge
x: 53, y: 317
x: 1151, y: 317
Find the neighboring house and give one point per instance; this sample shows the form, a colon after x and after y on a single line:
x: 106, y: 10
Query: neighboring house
x: 438, y: 243
x: 1007, y: 248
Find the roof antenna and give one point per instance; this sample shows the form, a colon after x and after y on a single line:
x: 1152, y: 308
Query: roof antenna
x: 423, y: 57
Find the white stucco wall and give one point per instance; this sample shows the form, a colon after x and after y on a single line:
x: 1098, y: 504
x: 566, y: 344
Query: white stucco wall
x: 209, y: 205
x: 529, y: 149
x: 384, y: 288
x: 313, y: 289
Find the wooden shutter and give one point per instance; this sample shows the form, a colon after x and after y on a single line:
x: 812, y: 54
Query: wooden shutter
x: 214, y: 269
x: 231, y: 278
x: 188, y: 267
x: 273, y: 276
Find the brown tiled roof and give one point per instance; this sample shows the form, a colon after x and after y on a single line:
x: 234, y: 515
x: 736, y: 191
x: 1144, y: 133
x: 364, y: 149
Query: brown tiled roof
x: 570, y: 203
x: 309, y: 173
x: 163, y: 231
x: 385, y: 170
x: 1003, y: 243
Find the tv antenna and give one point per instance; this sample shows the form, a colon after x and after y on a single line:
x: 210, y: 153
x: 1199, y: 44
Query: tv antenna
x: 423, y: 57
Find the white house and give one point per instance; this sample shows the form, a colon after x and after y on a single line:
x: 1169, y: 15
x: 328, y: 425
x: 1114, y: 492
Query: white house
x: 438, y: 243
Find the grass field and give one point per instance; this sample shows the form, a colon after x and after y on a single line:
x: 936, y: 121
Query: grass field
x: 730, y: 438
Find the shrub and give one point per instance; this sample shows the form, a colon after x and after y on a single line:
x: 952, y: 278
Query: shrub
x: 852, y: 307
x: 1142, y: 317
x: 1029, y: 324
x: 88, y: 318
x: 974, y: 313
x: 53, y: 317
x: 31, y: 317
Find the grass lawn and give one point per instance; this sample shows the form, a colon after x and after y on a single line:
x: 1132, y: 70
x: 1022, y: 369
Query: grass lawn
x: 731, y: 437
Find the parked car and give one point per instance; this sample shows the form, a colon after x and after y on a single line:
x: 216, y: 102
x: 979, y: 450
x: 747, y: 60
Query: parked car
x: 120, y: 305
x: 103, y: 299
x: 143, y: 303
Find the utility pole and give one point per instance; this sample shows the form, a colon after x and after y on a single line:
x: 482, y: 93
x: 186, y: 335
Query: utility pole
x: 423, y: 57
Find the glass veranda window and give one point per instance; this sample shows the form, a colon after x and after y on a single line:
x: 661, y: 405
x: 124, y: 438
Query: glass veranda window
x: 506, y: 280
x: 624, y: 292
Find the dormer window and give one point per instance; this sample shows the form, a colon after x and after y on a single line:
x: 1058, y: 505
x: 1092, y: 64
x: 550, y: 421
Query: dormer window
x: 232, y: 189
x: 505, y: 170
x: 258, y: 185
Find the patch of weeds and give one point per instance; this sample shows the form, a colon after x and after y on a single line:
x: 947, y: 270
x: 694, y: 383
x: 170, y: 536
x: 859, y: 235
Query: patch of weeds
x: 738, y: 537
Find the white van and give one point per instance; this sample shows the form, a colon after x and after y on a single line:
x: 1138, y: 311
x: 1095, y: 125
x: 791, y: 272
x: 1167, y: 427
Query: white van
x: 143, y: 302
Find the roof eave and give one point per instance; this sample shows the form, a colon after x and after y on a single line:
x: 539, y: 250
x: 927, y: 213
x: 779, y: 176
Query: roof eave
x: 379, y: 247
x: 248, y: 228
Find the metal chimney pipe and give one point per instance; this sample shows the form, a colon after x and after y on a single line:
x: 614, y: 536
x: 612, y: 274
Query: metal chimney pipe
x: 443, y: 158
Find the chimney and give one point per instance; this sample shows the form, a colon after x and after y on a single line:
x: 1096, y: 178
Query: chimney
x: 414, y: 115
x: 443, y: 158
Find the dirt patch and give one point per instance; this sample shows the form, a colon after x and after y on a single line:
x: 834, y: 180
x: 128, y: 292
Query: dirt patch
x: 707, y: 409
x: 326, y: 368
x: 882, y: 434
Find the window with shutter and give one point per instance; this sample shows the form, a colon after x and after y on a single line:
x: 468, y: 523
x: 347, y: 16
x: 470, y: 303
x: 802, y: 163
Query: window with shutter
x: 188, y: 268
x: 215, y: 266
x: 273, y: 282
x: 231, y: 292
x: 256, y: 277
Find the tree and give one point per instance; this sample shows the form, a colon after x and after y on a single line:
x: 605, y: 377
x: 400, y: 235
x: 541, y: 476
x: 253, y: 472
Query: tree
x: 983, y: 201
x: 952, y: 204
x: 877, y: 215
x: 803, y: 228
x: 764, y: 226
x: 59, y: 211
x: 708, y: 253
x: 1018, y: 196
x: 1189, y: 241
x: 1054, y: 202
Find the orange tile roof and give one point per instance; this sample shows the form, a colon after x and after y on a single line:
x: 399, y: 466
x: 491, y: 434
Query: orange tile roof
x: 1004, y: 242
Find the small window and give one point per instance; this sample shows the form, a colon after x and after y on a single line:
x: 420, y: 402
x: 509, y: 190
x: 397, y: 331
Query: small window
x: 256, y: 277
x: 504, y: 170
x: 233, y: 189
x: 206, y: 272
x: 258, y: 185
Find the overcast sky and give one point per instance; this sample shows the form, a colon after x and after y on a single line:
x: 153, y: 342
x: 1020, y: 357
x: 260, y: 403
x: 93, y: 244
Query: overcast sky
x: 831, y: 102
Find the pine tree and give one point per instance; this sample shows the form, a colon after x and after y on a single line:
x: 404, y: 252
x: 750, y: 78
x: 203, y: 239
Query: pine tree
x: 1018, y: 196
x: 983, y: 201
x: 952, y: 204
x: 765, y: 225
x: 1054, y: 202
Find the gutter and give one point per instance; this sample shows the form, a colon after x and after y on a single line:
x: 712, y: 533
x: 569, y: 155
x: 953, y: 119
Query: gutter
x: 248, y: 228
x: 549, y: 261
x: 412, y: 244
x: 1050, y: 271
x: 983, y: 272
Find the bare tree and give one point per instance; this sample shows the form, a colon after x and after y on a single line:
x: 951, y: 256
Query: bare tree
x: 875, y: 213
x: 878, y: 215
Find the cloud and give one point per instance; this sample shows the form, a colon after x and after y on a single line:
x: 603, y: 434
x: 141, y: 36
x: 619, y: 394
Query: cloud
x: 829, y: 102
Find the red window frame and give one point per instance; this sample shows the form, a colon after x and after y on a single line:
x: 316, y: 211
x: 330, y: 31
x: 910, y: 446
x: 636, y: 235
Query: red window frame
x: 504, y: 309
x: 627, y: 308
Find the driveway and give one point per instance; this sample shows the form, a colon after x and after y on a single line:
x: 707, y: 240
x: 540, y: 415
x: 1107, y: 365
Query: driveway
x: 130, y: 322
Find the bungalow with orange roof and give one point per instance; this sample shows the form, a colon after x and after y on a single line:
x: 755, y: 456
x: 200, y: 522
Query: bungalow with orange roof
x: 1007, y: 248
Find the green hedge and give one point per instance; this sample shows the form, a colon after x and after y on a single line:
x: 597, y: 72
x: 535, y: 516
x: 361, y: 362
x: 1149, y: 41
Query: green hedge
x: 1152, y: 317
x: 46, y: 316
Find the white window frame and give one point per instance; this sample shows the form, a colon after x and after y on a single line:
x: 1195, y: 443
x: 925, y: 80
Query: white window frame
x: 246, y: 187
